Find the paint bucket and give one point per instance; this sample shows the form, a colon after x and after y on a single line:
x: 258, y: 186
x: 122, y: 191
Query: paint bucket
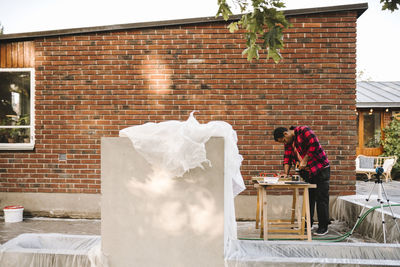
x: 13, y: 213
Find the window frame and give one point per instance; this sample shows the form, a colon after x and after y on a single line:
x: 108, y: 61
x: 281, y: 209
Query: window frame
x: 31, y: 144
x: 361, y: 149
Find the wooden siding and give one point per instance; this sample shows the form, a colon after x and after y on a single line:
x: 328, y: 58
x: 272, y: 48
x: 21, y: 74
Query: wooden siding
x: 17, y: 54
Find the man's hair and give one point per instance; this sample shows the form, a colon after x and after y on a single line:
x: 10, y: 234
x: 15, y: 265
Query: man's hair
x: 278, y: 133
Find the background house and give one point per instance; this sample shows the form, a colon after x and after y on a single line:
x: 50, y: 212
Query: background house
x: 377, y: 104
x: 62, y: 91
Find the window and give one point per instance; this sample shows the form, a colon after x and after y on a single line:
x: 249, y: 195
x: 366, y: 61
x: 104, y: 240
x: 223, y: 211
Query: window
x: 372, y: 129
x: 370, y: 124
x: 17, y: 109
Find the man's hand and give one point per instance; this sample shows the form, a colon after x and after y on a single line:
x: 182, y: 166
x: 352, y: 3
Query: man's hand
x: 302, y: 165
x: 303, y: 162
x: 286, y: 170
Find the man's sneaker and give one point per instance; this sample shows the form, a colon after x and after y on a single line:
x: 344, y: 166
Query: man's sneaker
x: 312, y: 227
x: 321, y: 231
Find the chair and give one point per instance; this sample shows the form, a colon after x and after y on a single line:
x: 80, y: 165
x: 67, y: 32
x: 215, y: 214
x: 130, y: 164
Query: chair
x: 367, y: 165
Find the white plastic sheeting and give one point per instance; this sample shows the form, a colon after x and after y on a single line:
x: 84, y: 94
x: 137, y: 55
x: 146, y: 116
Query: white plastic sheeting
x: 180, y: 146
x: 348, y: 208
x: 33, y: 250
x: 300, y: 253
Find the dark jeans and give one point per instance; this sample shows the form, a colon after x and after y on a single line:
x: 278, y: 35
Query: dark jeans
x: 320, y: 196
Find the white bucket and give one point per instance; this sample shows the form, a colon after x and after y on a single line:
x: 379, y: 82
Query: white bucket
x: 13, y: 213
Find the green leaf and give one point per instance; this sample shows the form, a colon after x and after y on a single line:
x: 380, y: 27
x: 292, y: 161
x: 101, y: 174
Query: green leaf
x: 224, y: 9
x: 263, y: 20
x: 274, y: 54
x: 391, y: 141
x: 391, y: 5
x: 233, y: 27
x: 252, y: 52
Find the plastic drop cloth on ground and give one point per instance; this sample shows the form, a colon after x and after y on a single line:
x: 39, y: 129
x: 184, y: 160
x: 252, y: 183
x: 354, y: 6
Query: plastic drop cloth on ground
x: 180, y: 146
x: 301, y: 253
x: 33, y: 250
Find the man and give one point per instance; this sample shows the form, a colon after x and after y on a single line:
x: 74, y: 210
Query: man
x: 302, y: 145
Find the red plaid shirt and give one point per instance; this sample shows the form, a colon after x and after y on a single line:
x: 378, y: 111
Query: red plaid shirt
x: 306, y: 142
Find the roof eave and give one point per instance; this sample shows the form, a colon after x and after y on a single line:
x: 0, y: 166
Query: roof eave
x: 360, y: 8
x: 378, y: 105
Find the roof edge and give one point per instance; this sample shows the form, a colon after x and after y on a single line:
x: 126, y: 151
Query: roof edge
x: 377, y: 105
x: 360, y: 8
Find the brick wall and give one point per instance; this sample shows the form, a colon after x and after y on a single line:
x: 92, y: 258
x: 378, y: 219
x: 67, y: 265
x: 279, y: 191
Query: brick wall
x: 90, y: 86
x: 387, y: 118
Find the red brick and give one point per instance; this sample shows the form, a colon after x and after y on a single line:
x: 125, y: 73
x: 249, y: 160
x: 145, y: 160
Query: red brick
x: 91, y: 85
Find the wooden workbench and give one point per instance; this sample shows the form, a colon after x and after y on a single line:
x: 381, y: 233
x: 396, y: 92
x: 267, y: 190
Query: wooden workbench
x: 293, y: 228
